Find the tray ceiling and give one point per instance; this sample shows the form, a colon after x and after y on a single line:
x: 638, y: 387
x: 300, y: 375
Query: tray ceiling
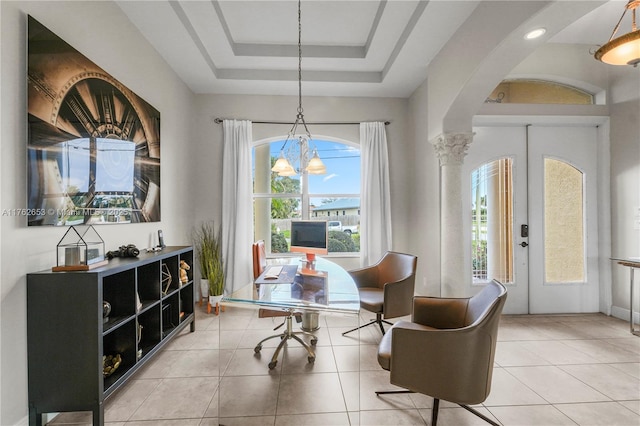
x: 350, y: 48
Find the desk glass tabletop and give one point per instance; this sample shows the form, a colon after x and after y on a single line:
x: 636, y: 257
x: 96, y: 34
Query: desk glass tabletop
x: 328, y: 288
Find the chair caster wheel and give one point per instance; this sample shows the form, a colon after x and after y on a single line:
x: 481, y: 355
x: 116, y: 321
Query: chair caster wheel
x: 311, y: 359
x: 257, y: 349
x: 313, y: 342
x: 272, y: 365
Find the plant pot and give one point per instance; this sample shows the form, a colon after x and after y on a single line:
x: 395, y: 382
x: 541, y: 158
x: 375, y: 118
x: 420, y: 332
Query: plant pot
x: 214, y: 302
x: 204, y: 290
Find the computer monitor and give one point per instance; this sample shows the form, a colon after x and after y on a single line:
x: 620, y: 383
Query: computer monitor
x: 309, y: 237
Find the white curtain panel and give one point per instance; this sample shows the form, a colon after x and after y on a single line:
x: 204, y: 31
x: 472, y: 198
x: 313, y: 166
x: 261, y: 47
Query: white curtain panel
x: 375, y: 199
x: 237, y: 210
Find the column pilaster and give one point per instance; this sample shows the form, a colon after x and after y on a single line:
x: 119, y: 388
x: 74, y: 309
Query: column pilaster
x: 451, y: 149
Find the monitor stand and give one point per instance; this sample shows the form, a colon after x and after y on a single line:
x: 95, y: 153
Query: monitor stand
x: 311, y: 261
x: 310, y: 319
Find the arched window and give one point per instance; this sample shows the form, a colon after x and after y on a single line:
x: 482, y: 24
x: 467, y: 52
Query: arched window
x: 529, y: 91
x: 278, y: 199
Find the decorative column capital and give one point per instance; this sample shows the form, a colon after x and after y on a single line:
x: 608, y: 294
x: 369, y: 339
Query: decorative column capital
x: 452, y: 147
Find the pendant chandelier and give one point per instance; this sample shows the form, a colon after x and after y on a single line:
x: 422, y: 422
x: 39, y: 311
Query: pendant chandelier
x: 623, y: 50
x: 315, y: 166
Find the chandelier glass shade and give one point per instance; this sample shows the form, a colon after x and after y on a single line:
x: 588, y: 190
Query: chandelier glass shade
x: 282, y: 166
x: 296, y: 156
x: 314, y: 165
x: 623, y: 50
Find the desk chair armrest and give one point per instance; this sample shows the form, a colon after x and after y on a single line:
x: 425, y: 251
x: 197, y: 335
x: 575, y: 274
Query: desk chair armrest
x: 397, y: 297
x: 441, y: 364
x: 365, y: 277
x: 441, y: 313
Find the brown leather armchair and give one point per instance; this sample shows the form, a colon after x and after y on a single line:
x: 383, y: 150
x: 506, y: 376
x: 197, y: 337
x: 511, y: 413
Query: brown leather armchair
x: 386, y: 288
x: 448, y: 348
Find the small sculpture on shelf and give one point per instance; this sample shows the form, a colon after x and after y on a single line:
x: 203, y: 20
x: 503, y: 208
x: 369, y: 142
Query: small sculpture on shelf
x: 184, y: 267
x: 110, y: 363
x: 106, y: 310
x: 139, y: 340
x: 166, y: 278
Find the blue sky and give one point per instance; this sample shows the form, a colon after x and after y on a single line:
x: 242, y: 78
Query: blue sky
x: 343, y: 168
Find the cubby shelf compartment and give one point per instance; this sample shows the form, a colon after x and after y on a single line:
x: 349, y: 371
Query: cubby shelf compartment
x: 149, y: 283
x: 149, y: 331
x: 67, y: 335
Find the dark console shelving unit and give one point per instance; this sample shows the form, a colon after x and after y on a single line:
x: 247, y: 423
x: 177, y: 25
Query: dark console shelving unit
x: 67, y: 335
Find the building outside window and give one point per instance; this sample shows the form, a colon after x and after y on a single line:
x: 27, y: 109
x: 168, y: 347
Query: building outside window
x: 279, y: 199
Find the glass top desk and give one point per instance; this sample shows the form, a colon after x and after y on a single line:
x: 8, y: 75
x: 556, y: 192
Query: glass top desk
x: 328, y: 288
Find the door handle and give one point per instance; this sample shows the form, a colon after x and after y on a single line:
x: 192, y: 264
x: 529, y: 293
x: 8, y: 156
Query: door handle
x: 524, y: 244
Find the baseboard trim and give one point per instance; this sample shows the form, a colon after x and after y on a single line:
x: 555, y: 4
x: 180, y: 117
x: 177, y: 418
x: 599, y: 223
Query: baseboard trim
x: 623, y: 314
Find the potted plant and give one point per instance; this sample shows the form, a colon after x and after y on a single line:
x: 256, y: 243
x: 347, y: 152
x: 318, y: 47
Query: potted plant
x: 202, y: 237
x: 207, y: 243
x: 216, y: 271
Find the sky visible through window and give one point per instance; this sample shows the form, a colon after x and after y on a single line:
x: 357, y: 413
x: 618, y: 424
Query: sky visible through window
x: 343, y: 168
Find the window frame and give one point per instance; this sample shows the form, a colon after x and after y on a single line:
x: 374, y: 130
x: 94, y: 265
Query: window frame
x: 304, y: 195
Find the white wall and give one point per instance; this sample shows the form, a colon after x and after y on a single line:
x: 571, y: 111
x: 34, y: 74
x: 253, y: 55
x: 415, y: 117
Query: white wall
x: 101, y: 32
x: 625, y: 179
x: 423, y: 226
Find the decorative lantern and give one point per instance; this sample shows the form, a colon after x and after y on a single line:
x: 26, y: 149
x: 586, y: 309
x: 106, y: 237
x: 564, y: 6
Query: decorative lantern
x: 80, y: 250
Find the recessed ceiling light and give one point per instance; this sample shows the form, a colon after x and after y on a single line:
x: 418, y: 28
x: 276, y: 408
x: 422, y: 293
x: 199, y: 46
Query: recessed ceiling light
x: 535, y: 33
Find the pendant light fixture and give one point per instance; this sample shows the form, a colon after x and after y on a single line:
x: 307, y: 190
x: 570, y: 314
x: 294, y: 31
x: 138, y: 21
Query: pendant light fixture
x: 315, y: 165
x: 623, y: 50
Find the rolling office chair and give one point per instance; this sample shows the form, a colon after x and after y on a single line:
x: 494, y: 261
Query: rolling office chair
x: 447, y: 350
x: 386, y: 288
x: 259, y: 264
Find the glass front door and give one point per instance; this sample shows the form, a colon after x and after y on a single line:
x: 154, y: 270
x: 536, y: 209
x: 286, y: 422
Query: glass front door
x: 532, y: 216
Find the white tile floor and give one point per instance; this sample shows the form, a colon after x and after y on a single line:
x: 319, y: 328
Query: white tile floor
x: 549, y: 370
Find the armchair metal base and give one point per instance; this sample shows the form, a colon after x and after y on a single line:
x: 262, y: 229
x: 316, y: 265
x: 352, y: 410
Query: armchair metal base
x: 378, y: 321
x: 436, y: 407
x: 286, y: 335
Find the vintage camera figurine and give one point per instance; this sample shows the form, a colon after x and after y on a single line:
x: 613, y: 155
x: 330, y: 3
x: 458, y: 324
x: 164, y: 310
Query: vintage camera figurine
x: 124, y: 251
